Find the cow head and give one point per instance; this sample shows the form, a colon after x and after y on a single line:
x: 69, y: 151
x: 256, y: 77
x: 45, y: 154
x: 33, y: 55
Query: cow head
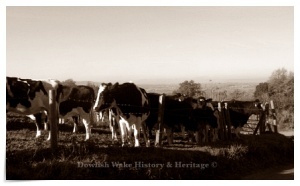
x: 104, y: 98
x: 201, y: 102
x: 257, y: 107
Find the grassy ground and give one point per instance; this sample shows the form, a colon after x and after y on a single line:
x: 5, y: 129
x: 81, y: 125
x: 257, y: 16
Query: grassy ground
x: 28, y: 158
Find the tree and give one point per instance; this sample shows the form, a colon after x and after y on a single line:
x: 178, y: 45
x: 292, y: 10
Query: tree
x: 280, y: 89
x: 189, y: 88
x: 69, y: 82
x: 94, y: 86
x: 262, y: 91
x: 237, y: 94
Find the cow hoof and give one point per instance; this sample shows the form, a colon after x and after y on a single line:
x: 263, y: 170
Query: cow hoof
x: 37, y: 136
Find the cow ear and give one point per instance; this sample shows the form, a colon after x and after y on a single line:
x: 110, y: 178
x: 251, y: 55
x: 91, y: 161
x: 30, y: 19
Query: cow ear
x: 113, y: 86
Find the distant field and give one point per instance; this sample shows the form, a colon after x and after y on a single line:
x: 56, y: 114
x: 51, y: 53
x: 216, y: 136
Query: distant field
x: 212, y: 89
x: 164, y: 88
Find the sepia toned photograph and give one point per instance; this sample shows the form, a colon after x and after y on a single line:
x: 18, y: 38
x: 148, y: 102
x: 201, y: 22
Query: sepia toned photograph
x: 149, y: 93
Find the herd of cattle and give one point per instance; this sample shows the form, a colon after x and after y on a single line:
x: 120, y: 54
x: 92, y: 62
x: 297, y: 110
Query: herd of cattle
x: 129, y: 107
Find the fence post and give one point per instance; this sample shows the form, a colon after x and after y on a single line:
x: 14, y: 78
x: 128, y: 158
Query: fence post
x: 262, y: 128
x: 160, y: 120
x: 221, y: 121
x: 261, y: 123
x: 273, y: 116
x: 53, y: 120
x: 228, y: 120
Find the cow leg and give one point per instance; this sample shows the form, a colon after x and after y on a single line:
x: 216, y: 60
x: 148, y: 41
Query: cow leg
x: 136, y: 134
x: 182, y: 127
x: 128, y: 133
x: 75, y: 123
x: 75, y: 128
x: 49, y: 136
x: 38, y: 122
x: 100, y: 117
x: 113, y: 129
x: 44, y: 119
x: 170, y: 135
x: 61, y: 121
x: 190, y: 136
x: 123, y: 132
x: 197, y: 137
x: 215, y: 134
x: 149, y: 133
x: 237, y: 132
x: 205, y: 134
x: 47, y: 127
x: 145, y: 134
x: 112, y: 123
x: 87, y: 128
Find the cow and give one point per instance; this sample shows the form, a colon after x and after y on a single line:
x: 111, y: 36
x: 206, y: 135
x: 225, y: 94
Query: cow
x: 29, y: 97
x: 177, y: 114
x: 131, y: 104
x: 240, y: 111
x: 152, y: 119
x: 203, y: 118
x: 77, y: 102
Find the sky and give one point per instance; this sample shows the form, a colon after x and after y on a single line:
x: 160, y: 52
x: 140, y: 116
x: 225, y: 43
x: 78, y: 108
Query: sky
x: 149, y: 44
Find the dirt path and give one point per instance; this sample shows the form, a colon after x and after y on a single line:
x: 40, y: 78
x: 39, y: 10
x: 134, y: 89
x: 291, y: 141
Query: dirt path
x: 284, y: 172
x: 287, y: 133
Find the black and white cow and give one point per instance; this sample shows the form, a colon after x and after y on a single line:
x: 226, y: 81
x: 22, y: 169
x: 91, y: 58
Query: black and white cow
x: 77, y: 102
x: 29, y: 97
x: 131, y: 104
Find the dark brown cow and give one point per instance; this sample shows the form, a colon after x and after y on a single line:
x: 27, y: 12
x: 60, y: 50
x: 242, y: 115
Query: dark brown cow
x: 240, y: 111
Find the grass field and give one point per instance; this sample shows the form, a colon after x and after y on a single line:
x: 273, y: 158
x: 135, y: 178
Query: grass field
x: 29, y: 158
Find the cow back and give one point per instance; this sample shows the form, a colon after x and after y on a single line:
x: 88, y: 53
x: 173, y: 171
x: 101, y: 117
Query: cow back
x: 130, y: 99
x: 77, y: 96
